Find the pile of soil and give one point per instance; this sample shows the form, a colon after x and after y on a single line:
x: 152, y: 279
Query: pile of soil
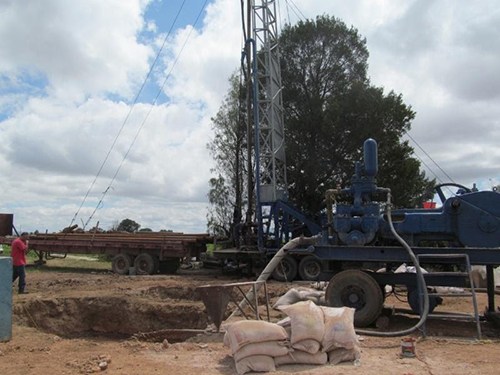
x: 80, y: 323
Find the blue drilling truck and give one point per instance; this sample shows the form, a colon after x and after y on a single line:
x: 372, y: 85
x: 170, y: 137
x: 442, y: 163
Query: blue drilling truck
x: 361, y: 234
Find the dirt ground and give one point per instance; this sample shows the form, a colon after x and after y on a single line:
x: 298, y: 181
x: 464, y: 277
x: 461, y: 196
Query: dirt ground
x: 72, y: 323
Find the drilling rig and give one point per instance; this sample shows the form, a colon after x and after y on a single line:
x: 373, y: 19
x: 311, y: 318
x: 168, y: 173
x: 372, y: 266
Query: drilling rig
x: 270, y: 218
x: 360, y: 233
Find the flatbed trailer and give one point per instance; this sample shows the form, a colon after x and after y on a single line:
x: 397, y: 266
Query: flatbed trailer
x: 141, y: 252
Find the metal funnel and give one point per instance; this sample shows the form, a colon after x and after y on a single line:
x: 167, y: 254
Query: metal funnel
x: 215, y: 298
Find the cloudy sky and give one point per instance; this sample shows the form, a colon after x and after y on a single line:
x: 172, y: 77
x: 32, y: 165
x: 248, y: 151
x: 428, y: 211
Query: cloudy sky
x: 71, y: 71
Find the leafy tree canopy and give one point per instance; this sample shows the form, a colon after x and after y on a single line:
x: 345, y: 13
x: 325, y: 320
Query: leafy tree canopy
x: 228, y: 148
x: 128, y: 225
x: 330, y: 108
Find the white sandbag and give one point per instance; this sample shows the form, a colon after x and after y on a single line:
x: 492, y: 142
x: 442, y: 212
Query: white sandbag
x: 287, y: 325
x: 307, y: 321
x: 258, y: 363
x: 300, y: 357
x: 269, y: 348
x: 339, y: 328
x: 285, y: 322
x: 245, y: 332
x: 339, y: 355
x: 479, y: 279
x: 295, y: 295
x: 308, y: 294
x: 478, y: 274
x: 319, y: 285
x: 308, y: 345
x: 289, y: 298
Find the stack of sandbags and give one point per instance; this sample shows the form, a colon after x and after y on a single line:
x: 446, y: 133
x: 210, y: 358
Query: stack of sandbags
x: 255, y: 343
x: 320, y: 334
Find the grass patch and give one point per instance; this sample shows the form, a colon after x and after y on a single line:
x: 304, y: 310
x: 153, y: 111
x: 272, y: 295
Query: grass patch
x: 82, y: 263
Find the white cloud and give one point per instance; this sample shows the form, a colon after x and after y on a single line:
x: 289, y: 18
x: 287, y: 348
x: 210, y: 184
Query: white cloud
x: 442, y: 56
x: 57, y: 139
x: 210, y: 56
x: 81, y: 48
x: 70, y: 69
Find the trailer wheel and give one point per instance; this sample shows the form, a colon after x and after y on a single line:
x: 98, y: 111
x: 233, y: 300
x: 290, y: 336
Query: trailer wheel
x: 286, y: 270
x: 357, y: 289
x: 121, y: 264
x: 146, y: 264
x: 169, y: 266
x: 310, y: 268
x: 413, y: 300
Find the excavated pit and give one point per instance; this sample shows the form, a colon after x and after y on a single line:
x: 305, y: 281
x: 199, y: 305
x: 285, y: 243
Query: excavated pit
x: 153, y: 309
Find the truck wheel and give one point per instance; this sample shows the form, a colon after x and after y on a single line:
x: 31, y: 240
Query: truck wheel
x: 310, y: 268
x: 413, y: 301
x: 170, y: 265
x: 146, y: 264
x: 357, y: 289
x: 121, y: 264
x: 286, y: 270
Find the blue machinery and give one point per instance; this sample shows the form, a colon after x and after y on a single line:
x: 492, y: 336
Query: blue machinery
x: 356, y: 236
x: 357, y: 239
x: 467, y: 223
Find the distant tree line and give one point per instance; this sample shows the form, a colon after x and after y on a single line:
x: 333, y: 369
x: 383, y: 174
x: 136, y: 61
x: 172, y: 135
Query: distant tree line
x: 129, y: 225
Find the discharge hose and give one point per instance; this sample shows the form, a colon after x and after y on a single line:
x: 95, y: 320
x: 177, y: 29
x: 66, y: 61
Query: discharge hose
x: 277, y: 258
x: 420, y: 279
x: 273, y: 263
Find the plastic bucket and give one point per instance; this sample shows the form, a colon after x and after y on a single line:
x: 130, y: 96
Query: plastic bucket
x: 408, y: 347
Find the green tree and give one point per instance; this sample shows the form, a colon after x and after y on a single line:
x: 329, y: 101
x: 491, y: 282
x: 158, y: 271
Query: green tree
x: 219, y: 217
x: 331, y: 108
x: 228, y: 149
x: 127, y: 225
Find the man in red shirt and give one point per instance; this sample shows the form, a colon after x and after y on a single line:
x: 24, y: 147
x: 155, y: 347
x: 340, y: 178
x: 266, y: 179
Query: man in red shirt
x: 19, y: 250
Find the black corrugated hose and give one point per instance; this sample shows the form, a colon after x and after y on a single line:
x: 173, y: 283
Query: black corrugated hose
x: 420, y: 279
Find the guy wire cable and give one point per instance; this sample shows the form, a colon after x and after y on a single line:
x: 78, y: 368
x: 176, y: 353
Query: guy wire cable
x: 128, y: 114
x: 99, y: 204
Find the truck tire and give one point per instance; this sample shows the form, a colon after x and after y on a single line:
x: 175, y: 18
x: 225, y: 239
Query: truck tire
x: 413, y: 300
x: 286, y: 270
x: 121, y: 264
x: 146, y: 264
x: 357, y: 289
x: 310, y: 268
x: 170, y: 265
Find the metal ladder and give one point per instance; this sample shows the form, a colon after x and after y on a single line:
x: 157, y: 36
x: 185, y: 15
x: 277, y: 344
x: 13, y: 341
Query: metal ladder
x: 458, y: 259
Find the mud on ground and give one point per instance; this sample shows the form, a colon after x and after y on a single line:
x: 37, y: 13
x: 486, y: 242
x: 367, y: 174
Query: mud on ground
x: 80, y: 323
